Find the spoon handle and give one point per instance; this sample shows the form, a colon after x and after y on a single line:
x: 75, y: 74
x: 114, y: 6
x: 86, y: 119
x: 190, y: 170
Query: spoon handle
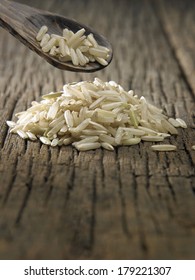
x: 13, y: 16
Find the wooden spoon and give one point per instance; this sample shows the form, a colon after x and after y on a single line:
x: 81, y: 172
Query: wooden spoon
x: 24, y: 22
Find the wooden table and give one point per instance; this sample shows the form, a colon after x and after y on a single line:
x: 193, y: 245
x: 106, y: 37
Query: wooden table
x: 58, y: 203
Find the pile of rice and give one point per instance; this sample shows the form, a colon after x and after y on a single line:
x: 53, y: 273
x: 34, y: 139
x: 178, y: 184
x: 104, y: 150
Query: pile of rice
x: 76, y: 47
x: 90, y: 115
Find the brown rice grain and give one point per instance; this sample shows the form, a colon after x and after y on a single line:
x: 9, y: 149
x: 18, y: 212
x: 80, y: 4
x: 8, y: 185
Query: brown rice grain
x: 152, y: 138
x: 41, y: 33
x: 163, y: 148
x: 107, y: 146
x: 181, y: 122
x: 45, y: 140
x: 87, y: 146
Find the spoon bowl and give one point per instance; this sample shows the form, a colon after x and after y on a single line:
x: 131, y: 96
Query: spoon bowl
x: 24, y: 22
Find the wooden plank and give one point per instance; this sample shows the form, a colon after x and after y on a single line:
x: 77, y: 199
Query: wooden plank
x: 178, y: 24
x: 57, y: 203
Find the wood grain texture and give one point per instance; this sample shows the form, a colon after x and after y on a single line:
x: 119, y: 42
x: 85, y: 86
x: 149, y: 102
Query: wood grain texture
x: 58, y: 203
x: 178, y: 23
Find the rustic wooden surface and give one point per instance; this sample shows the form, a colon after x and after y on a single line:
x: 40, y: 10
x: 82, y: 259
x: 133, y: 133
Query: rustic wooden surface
x: 57, y: 203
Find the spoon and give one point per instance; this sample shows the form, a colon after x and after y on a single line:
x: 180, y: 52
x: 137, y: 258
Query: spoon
x: 24, y: 22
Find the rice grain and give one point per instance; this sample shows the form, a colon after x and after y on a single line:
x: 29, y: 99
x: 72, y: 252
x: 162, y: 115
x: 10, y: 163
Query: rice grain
x: 75, y: 47
x: 87, y: 146
x: 163, y: 148
x: 45, y: 140
x: 107, y: 146
x: 96, y: 114
x: 152, y: 138
x: 181, y: 122
x: 41, y: 33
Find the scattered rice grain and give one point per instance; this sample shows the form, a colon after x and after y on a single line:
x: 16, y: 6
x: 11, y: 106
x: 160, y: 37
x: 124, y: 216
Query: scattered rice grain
x: 181, y: 122
x: 11, y: 124
x: 164, y: 148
